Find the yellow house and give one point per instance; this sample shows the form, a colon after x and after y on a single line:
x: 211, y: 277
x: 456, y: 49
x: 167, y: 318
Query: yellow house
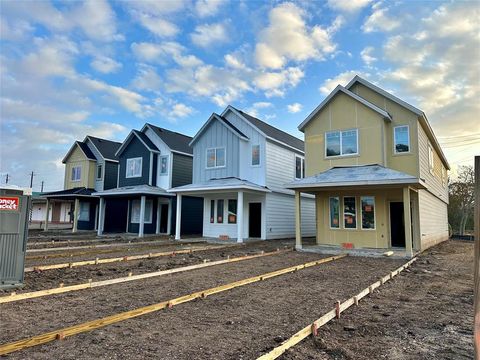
x: 377, y: 172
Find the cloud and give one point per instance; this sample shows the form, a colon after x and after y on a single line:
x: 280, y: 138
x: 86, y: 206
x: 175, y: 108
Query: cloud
x: 105, y: 64
x: 294, y: 108
x: 163, y: 53
x: 341, y: 79
x: 275, y: 83
x: 147, y: 79
x: 205, y: 8
x: 366, y: 55
x: 380, y: 20
x: 180, y: 111
x: 208, y: 34
x: 288, y: 38
x: 349, y: 6
x: 158, y: 26
x: 258, y: 108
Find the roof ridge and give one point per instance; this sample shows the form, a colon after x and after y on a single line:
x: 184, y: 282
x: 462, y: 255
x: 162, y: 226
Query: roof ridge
x: 172, y: 131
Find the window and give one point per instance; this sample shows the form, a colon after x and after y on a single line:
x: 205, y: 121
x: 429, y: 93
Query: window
x: 99, y: 172
x: 212, y: 211
x: 401, y: 139
x: 164, y: 165
x: 84, y: 211
x: 255, y: 155
x: 341, y: 143
x: 349, y: 213
x: 444, y: 176
x: 134, y: 167
x: 232, y: 211
x: 220, y: 211
x: 136, y: 211
x: 430, y: 158
x: 368, y: 212
x: 215, y: 157
x: 76, y: 173
x: 299, y: 167
x: 334, y: 212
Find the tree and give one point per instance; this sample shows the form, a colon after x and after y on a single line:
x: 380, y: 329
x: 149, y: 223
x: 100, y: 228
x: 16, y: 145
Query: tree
x: 462, y: 196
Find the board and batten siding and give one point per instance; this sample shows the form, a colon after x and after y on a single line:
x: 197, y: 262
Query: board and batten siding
x: 181, y: 170
x: 433, y: 219
x: 87, y: 179
x: 216, y: 135
x: 134, y: 149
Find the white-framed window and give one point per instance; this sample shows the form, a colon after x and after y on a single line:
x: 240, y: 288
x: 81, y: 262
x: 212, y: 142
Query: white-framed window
x: 341, y: 143
x: 84, y: 211
x: 164, y: 165
x: 99, y: 172
x: 77, y: 173
x: 431, y: 164
x: 212, y: 211
x: 215, y: 157
x: 367, y: 205
x: 334, y: 204
x: 220, y: 210
x: 135, y: 219
x: 401, y: 139
x: 299, y: 167
x: 232, y: 211
x: 444, y: 176
x: 134, y: 167
x: 349, y: 212
x: 255, y: 155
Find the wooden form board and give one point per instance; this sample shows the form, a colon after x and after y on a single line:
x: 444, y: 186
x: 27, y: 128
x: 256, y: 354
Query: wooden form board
x: 125, y: 258
x: 311, y: 328
x: 88, y: 285
x: 99, y: 323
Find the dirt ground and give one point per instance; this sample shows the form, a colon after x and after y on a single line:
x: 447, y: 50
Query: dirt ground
x: 245, y: 322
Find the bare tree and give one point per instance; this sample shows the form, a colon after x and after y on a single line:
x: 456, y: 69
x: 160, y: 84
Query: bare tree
x: 462, y: 196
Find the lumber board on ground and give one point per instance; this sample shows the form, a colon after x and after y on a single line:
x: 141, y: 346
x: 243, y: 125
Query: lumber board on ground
x: 99, y: 323
x: 95, y: 284
x: 308, y: 330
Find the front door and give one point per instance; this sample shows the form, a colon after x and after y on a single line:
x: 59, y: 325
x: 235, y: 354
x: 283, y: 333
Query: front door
x: 163, y: 218
x: 254, y: 220
x: 397, y: 224
x: 57, y: 208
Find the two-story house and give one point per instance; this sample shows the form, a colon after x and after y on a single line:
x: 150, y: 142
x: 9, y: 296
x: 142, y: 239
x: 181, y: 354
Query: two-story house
x: 240, y: 167
x: 90, y: 165
x: 151, y: 161
x: 377, y: 172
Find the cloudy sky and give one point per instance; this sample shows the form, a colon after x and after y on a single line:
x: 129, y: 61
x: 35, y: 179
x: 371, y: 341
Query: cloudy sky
x: 74, y: 68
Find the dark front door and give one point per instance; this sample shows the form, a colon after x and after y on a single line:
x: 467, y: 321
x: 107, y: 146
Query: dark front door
x: 255, y: 220
x: 163, y: 218
x: 397, y: 227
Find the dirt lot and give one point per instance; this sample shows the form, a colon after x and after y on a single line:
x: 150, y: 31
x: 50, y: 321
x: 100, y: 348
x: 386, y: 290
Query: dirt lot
x: 246, y: 322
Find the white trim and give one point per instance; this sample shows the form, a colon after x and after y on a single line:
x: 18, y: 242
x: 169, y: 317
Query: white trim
x: 356, y: 183
x: 374, y: 213
x: 215, y: 149
x: 218, y: 188
x: 341, y: 146
x: 302, y: 167
x: 149, y: 219
x: 431, y: 159
x: 259, y: 156
x: 160, y: 165
x: 129, y: 138
x: 330, y: 213
x: 126, y: 167
x: 343, y: 213
x: 102, y: 172
x: 71, y: 174
x: 395, y: 152
x: 218, y: 118
x: 150, y: 170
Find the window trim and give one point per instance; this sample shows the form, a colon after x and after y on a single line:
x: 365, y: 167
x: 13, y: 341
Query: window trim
x: 80, y: 211
x: 330, y: 213
x: 140, y: 204
x: 431, y: 160
x: 215, y: 149
x: 99, y: 166
x: 374, y: 213
x: 80, y: 177
x: 228, y: 211
x: 223, y: 211
x: 141, y: 167
x: 160, y: 165
x: 343, y: 213
x: 341, y: 136
x: 302, y: 167
x: 395, y: 152
x: 444, y: 176
x: 212, y: 211
x: 259, y: 156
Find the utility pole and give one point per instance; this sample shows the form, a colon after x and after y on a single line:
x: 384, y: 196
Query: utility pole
x: 6, y: 179
x: 42, y: 187
x: 31, y: 179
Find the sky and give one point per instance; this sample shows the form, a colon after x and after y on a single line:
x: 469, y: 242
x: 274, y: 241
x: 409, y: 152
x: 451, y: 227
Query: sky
x: 102, y: 68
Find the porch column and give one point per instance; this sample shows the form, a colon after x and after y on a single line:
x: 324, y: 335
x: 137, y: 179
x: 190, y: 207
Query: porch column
x: 141, y: 224
x: 239, y: 216
x: 101, y: 216
x: 408, y: 221
x: 96, y: 218
x: 47, y: 213
x: 169, y: 222
x: 179, y: 217
x: 298, y: 220
x: 157, y: 228
x: 76, y: 211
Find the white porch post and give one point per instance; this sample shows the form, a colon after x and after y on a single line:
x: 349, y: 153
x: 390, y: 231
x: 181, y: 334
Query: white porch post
x: 408, y: 221
x: 179, y: 217
x: 141, y: 223
x: 239, y: 216
x: 101, y: 216
x: 298, y: 221
x: 169, y: 222
x: 47, y: 213
x: 76, y: 211
x: 157, y: 229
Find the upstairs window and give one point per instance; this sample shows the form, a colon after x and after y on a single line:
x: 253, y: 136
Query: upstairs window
x: 76, y: 173
x: 431, y: 165
x: 341, y: 143
x: 299, y: 167
x: 215, y: 158
x: 99, y: 172
x: 255, y: 155
x: 134, y: 167
x: 401, y: 139
x: 164, y: 165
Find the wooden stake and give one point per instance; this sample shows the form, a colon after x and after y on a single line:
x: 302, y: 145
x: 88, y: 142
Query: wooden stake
x: 337, y: 309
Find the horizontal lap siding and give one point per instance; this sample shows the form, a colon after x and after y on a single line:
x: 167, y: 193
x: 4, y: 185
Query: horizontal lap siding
x: 433, y: 219
x: 181, y: 170
x: 280, y: 167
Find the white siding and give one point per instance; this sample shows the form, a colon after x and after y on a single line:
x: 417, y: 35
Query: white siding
x: 433, y: 219
x: 98, y: 183
x: 280, y: 167
x: 281, y: 216
x: 163, y: 181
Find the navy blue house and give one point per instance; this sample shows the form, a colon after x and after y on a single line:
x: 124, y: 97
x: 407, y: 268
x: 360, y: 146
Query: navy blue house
x: 150, y: 162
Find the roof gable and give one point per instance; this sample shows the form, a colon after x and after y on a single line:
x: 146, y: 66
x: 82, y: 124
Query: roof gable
x: 140, y: 136
x: 224, y: 122
x: 84, y: 148
x: 177, y: 142
x: 106, y: 148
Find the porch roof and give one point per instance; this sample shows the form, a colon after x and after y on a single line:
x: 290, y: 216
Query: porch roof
x: 362, y: 175
x: 69, y: 194
x: 220, y: 184
x: 134, y: 190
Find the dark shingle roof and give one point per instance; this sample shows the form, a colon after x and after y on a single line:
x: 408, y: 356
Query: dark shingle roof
x: 86, y: 150
x: 80, y: 191
x: 106, y: 147
x: 174, y: 140
x: 146, y: 140
x: 274, y: 133
x: 232, y: 126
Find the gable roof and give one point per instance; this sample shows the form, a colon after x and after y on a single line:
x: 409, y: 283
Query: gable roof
x: 347, y: 92
x: 85, y: 149
x: 140, y: 136
x: 270, y: 131
x: 222, y: 120
x: 106, y: 148
x: 175, y: 141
